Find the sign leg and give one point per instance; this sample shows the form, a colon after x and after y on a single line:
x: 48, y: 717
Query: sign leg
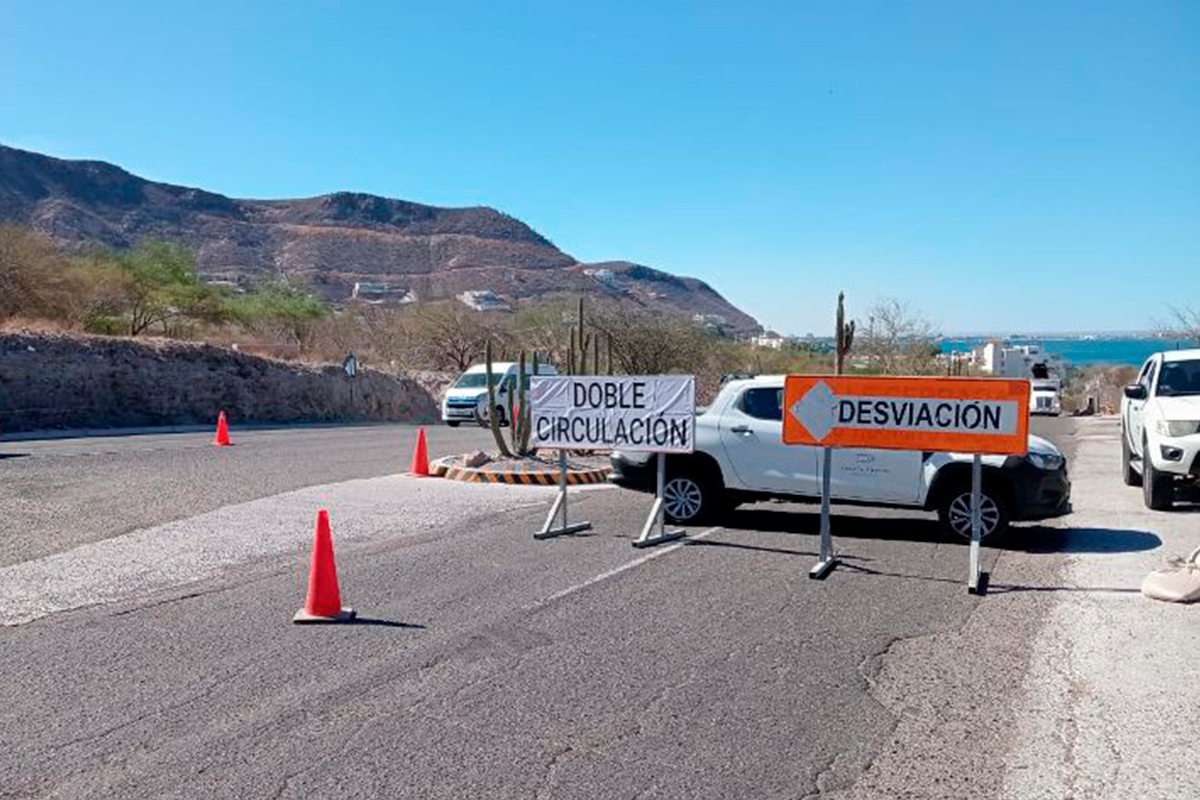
x: 828, y: 560
x: 976, y: 579
x: 560, y: 505
x: 657, y: 518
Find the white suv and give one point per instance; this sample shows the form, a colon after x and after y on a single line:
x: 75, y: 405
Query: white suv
x: 740, y: 456
x: 1160, y: 426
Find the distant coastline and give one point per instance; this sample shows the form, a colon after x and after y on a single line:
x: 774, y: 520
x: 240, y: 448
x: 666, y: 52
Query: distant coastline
x: 1080, y: 351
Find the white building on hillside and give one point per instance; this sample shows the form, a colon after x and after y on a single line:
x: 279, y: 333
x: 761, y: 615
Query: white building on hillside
x: 604, y: 276
x: 380, y: 293
x: 483, y: 300
x: 769, y: 339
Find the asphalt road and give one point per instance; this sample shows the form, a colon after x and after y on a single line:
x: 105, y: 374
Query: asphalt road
x: 60, y: 493
x: 487, y: 664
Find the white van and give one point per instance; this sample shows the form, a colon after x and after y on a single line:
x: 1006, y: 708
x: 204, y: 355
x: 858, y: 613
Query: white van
x: 466, y: 399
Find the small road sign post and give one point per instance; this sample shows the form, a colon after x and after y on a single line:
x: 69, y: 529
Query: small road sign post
x: 350, y: 367
x: 647, y: 414
x: 966, y: 415
x: 548, y: 530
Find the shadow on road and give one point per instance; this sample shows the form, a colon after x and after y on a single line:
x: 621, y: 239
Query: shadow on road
x: 1042, y: 539
x: 1021, y: 538
x: 384, y: 623
x: 13, y: 455
x: 853, y: 527
x: 1010, y: 588
x: 756, y: 547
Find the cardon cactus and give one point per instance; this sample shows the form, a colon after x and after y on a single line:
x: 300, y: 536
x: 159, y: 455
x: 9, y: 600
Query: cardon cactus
x: 493, y: 417
x: 520, y: 414
x: 843, y: 336
x: 583, y: 345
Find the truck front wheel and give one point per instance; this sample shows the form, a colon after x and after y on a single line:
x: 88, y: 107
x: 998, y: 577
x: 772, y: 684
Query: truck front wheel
x: 694, y: 497
x: 1158, y: 488
x: 954, y: 512
x: 1131, y: 475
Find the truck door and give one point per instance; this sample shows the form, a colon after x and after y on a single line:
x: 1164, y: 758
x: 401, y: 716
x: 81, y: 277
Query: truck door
x: 892, y: 476
x: 752, y: 437
x: 1134, y: 408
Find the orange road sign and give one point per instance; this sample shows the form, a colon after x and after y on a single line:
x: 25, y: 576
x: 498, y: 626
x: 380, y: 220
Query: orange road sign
x: 962, y: 415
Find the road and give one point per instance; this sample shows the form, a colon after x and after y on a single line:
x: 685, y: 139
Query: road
x: 64, y: 492
x: 148, y: 651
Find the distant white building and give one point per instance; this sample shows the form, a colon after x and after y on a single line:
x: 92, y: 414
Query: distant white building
x: 708, y: 319
x: 769, y: 339
x: 379, y: 293
x: 604, y: 276
x: 483, y: 300
x: 1020, y: 361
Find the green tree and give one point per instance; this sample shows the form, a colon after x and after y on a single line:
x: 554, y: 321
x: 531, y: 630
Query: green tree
x: 159, y: 283
x: 284, y: 308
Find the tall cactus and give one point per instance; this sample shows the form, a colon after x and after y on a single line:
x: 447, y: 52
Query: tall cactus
x: 493, y: 417
x: 583, y: 349
x: 520, y: 414
x: 526, y: 414
x: 843, y: 336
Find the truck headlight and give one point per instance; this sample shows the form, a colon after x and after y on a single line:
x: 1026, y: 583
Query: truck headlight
x: 1045, y: 460
x: 637, y: 459
x: 1174, y: 428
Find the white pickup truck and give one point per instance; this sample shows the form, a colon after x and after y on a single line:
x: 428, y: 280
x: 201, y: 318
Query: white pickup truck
x: 740, y: 456
x: 1160, y: 426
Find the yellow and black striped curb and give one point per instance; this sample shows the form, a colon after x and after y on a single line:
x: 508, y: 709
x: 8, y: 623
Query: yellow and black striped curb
x: 519, y: 476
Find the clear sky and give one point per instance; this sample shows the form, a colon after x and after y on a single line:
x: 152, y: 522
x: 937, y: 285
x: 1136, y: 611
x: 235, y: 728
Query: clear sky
x: 1001, y: 165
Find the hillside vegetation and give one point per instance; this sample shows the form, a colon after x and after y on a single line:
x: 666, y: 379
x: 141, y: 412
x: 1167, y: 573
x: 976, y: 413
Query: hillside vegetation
x: 331, y: 242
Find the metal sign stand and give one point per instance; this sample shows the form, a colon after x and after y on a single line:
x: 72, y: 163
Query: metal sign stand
x: 828, y: 559
x: 658, y: 517
x: 977, y: 579
x: 560, y: 503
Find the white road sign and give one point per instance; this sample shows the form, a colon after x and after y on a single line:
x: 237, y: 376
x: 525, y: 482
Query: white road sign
x: 653, y: 414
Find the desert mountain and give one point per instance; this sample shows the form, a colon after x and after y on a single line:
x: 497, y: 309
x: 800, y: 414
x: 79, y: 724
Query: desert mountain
x: 392, y: 247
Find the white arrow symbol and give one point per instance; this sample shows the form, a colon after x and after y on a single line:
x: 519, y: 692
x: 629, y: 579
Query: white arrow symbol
x: 815, y: 410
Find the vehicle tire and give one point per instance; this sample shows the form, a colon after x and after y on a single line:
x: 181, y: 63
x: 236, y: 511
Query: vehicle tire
x: 692, y: 498
x: 954, y: 512
x: 453, y: 423
x: 1158, y: 488
x: 1131, y: 475
x: 484, y: 422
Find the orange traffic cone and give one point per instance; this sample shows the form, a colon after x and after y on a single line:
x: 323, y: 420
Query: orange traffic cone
x: 420, y: 461
x: 324, y: 601
x: 222, y: 439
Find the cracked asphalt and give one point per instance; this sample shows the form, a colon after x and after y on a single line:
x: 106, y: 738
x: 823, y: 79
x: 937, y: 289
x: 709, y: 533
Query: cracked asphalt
x: 488, y: 664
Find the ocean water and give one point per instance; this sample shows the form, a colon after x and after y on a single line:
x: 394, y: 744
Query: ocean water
x: 1085, y: 352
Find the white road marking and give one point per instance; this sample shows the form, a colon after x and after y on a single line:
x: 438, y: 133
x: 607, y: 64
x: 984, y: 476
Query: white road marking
x: 203, y: 547
x: 603, y: 576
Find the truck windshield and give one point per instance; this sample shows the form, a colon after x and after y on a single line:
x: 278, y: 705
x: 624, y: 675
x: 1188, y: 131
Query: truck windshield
x: 472, y: 380
x: 1179, y: 379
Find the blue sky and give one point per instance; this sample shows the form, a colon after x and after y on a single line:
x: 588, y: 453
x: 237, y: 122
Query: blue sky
x: 1000, y: 165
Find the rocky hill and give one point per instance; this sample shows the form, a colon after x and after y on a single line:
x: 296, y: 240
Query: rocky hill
x: 335, y: 240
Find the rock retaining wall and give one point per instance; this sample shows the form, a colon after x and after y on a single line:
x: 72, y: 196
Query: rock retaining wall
x: 52, y: 381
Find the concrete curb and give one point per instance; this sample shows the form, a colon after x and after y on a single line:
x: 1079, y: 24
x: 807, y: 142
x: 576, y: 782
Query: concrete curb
x: 516, y: 476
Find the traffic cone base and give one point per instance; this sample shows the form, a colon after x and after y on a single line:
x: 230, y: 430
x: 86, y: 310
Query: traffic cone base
x: 302, y: 617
